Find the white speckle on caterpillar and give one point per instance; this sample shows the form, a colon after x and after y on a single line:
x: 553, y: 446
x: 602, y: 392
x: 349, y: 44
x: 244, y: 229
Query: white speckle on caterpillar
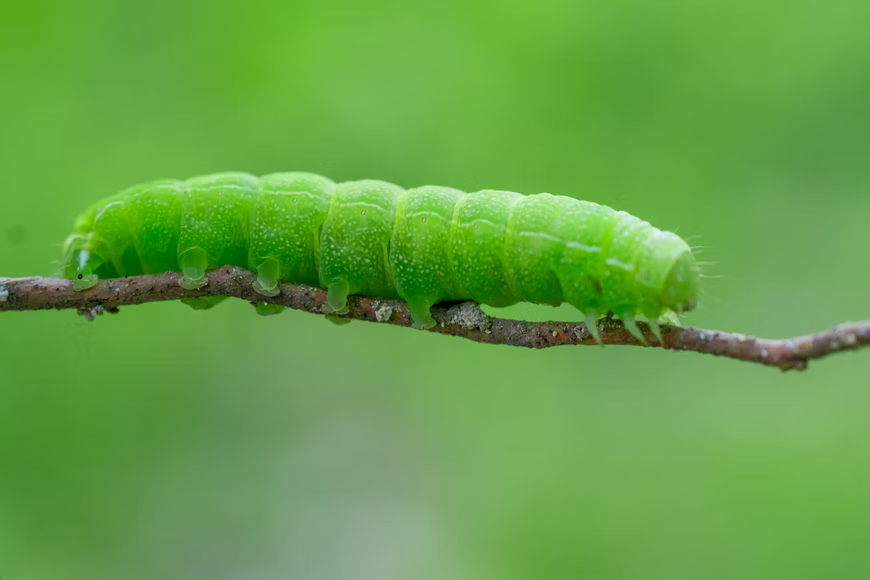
x: 4, y: 293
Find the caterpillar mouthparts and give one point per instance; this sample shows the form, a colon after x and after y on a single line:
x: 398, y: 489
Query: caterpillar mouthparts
x: 424, y: 245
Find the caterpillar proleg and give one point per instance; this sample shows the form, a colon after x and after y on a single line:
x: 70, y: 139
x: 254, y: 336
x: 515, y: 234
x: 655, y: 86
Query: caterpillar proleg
x: 424, y: 245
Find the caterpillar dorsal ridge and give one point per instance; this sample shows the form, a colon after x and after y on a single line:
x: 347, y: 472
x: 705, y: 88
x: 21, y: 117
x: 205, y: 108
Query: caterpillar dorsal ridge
x: 424, y: 245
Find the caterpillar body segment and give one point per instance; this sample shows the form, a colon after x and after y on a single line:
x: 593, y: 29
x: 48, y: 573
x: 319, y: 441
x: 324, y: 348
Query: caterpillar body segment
x: 354, y: 242
x: 287, y: 218
x: 425, y: 245
x: 155, y: 225
x: 421, y: 258
x: 531, y: 246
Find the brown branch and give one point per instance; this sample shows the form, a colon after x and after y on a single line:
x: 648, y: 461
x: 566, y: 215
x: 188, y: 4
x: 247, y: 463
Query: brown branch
x: 465, y: 319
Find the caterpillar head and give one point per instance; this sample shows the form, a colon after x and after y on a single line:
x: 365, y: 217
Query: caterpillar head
x: 669, y: 274
x: 680, y: 290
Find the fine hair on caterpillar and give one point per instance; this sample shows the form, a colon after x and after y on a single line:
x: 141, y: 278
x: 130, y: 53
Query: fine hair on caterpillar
x: 425, y: 245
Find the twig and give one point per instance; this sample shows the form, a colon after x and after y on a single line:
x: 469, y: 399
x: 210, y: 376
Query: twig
x: 465, y: 319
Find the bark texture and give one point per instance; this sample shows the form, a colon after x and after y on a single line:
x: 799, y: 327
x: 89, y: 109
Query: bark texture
x: 464, y: 319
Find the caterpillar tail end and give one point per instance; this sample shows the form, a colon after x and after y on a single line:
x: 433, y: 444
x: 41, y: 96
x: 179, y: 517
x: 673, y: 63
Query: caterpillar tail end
x: 80, y: 264
x: 84, y: 282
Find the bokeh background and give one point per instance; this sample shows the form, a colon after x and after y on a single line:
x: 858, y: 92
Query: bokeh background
x: 169, y: 443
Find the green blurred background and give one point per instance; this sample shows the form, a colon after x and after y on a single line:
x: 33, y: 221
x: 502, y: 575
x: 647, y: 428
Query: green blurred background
x: 169, y: 443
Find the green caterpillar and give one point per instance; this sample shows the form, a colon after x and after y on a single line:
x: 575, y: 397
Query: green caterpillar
x: 424, y: 245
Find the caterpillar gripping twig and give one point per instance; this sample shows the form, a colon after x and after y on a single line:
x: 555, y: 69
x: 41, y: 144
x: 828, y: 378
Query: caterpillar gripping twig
x: 424, y: 245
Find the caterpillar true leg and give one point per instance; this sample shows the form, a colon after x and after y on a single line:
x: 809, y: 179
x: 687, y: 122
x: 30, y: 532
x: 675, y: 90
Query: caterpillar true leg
x: 630, y: 325
x: 591, y: 319
x: 655, y: 328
